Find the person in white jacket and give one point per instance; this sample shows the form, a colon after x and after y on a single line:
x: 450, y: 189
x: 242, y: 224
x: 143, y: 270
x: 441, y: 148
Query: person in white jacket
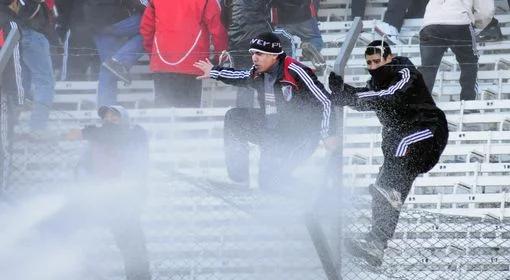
x: 451, y: 24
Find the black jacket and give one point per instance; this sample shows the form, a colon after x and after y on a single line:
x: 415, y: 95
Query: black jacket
x: 11, y: 76
x: 245, y: 19
x: 115, y: 152
x: 402, y: 102
x: 37, y: 16
x: 302, y: 103
x: 70, y: 14
x: 293, y: 11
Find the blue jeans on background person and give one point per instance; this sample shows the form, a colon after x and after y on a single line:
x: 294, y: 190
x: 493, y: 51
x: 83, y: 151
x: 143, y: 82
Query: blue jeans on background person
x: 308, y: 31
x: 38, y: 76
x: 122, y: 42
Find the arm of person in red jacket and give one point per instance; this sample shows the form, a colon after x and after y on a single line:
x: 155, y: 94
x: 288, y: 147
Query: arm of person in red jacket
x: 215, y: 27
x: 148, y: 27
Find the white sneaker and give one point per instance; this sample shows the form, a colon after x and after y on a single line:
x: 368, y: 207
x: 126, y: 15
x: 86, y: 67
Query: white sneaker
x: 387, y: 30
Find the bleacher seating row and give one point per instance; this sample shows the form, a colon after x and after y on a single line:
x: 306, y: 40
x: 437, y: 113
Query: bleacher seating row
x: 494, y: 57
x: 473, y: 158
x: 193, y: 235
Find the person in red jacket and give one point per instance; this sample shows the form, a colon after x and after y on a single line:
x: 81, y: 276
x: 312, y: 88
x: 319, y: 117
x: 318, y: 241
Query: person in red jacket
x: 176, y: 34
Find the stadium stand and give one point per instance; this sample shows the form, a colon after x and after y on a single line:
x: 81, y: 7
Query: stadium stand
x: 456, y: 221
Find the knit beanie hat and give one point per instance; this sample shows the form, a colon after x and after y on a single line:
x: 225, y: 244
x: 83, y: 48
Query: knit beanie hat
x: 266, y: 43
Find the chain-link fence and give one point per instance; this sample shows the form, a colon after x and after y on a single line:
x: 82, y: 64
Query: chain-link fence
x: 198, y: 227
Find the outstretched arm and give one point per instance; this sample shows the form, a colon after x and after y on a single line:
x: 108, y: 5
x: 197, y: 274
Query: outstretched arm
x: 343, y: 94
x: 227, y: 75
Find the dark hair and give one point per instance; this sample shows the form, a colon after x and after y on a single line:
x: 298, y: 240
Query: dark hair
x: 378, y: 47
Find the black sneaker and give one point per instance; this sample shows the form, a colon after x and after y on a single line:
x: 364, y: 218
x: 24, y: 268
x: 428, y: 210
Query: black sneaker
x: 118, y: 69
x: 491, y: 33
x: 369, y: 250
x: 312, y: 54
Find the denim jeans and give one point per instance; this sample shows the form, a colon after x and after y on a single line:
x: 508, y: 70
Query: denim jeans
x: 38, y: 76
x: 307, y: 30
x: 121, y: 41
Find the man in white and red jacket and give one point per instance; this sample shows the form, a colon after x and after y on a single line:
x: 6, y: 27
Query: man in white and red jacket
x: 176, y: 34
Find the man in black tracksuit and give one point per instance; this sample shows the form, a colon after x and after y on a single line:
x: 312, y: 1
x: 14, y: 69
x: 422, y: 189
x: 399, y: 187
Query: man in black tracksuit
x: 414, y: 135
x: 294, y: 113
x: 11, y: 88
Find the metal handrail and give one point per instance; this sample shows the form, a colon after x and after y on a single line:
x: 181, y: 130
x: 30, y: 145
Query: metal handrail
x: 7, y: 49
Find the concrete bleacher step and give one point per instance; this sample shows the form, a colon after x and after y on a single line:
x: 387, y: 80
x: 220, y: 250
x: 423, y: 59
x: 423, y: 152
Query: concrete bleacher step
x: 210, y: 237
x: 232, y: 260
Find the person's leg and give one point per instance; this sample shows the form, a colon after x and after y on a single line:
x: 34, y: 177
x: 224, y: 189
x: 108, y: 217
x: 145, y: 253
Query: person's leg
x: 393, y: 175
x: 358, y: 8
x: 385, y: 213
x: 311, y: 41
x: 36, y: 57
x: 162, y: 82
x: 186, y: 91
x: 280, y: 156
x: 396, y: 12
x: 432, y: 49
x: 466, y: 54
x: 242, y: 125
x: 177, y: 90
x: 308, y: 31
x: 416, y: 153
x: 130, y: 240
x: 416, y: 8
x: 106, y: 45
x: 132, y: 49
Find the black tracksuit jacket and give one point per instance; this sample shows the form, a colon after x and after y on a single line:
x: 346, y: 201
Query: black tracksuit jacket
x: 403, y: 104
x: 245, y: 19
x: 11, y: 76
x: 302, y: 102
